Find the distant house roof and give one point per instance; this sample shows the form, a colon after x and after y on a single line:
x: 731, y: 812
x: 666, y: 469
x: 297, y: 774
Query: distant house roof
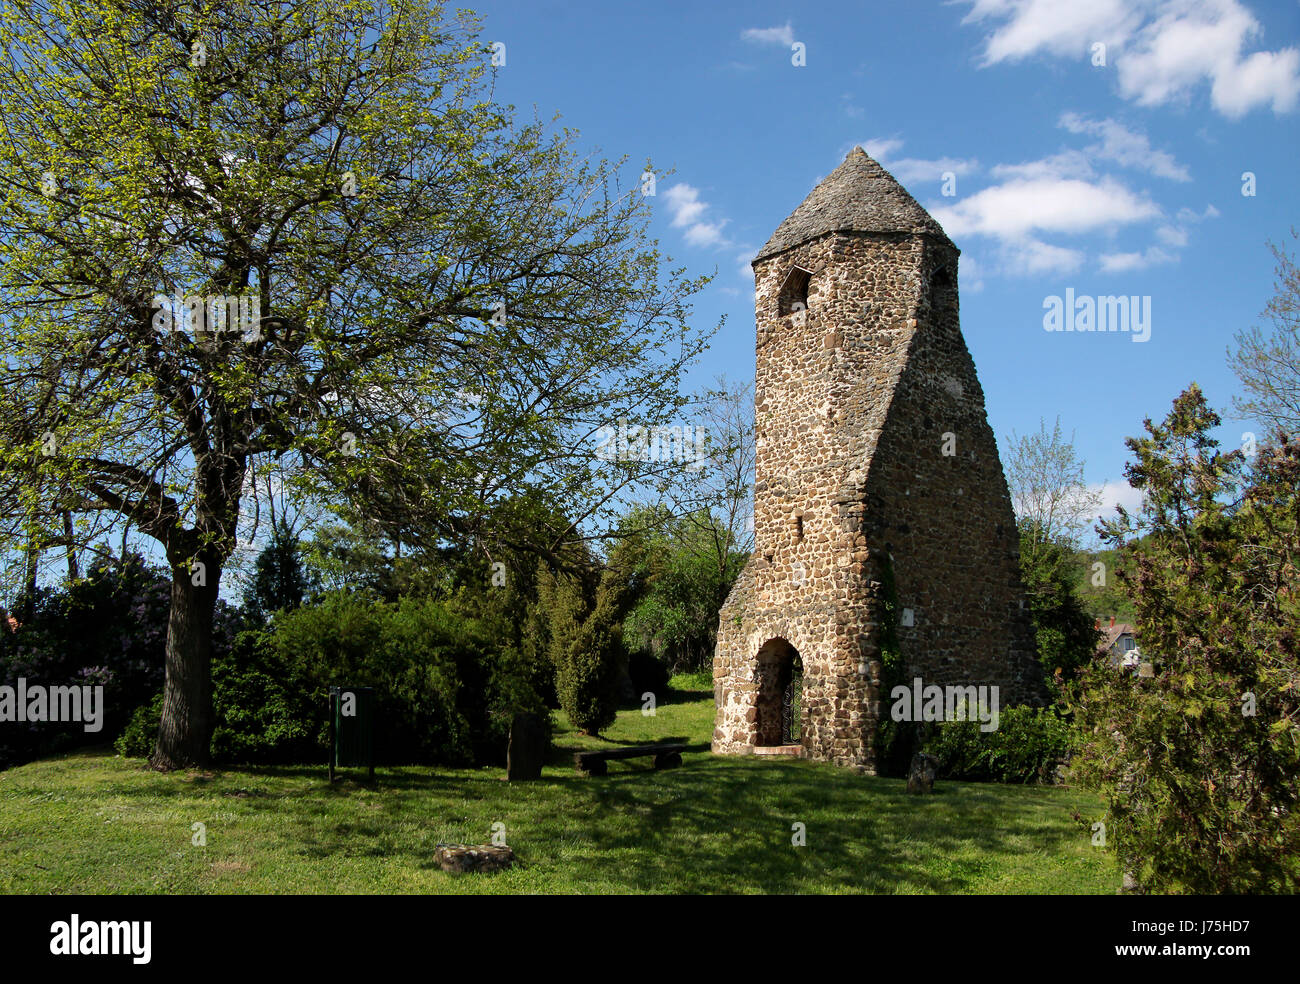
x: 1114, y: 632
x: 1111, y: 634
x: 858, y: 196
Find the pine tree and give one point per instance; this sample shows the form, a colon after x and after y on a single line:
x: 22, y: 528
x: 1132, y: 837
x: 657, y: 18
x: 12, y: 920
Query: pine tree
x: 1199, y: 762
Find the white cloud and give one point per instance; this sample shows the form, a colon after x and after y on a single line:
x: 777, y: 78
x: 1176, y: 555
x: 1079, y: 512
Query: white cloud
x: 1264, y: 77
x: 1060, y: 27
x: 687, y: 210
x: 744, y: 263
x: 705, y: 233
x: 684, y: 202
x: 971, y: 273
x: 1172, y: 235
x: 1019, y: 207
x: 783, y: 35
x: 1066, y: 164
x: 1040, y: 199
x: 882, y: 149
x: 1114, y: 494
x: 1027, y: 256
x: 1125, y: 147
x: 1123, y: 262
x: 1175, y: 234
x: 1162, y: 50
x: 1063, y: 194
x: 909, y: 170
x: 1192, y: 42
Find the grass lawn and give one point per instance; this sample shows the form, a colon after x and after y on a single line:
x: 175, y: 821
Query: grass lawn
x: 94, y: 823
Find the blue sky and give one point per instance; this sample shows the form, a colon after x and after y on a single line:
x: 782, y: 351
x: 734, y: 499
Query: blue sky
x: 1122, y: 178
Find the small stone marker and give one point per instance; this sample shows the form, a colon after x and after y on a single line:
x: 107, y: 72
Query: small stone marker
x: 465, y: 858
x: 527, y: 748
x: 668, y: 760
x: 920, y: 777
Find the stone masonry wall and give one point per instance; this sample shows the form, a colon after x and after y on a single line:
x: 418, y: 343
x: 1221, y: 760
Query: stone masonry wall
x: 852, y: 397
x: 937, y: 502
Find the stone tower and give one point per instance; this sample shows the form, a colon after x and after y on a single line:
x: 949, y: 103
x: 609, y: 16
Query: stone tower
x: 879, y: 499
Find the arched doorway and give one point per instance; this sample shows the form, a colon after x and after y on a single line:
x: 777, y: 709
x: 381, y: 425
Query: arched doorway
x: 780, y: 695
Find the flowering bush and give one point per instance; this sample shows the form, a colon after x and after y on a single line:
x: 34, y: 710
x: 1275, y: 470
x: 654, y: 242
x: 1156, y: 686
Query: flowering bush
x: 108, y: 628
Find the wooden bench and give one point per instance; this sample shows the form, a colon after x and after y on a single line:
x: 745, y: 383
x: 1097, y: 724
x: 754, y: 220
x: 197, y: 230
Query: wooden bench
x: 667, y: 756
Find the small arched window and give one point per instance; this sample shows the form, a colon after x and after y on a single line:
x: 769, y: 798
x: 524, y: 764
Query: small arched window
x: 794, y: 292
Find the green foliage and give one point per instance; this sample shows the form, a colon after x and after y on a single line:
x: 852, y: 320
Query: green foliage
x: 444, y: 692
x: 1201, y: 794
x: 138, y: 738
x: 589, y: 668
x: 432, y: 671
x: 1101, y: 590
x: 498, y: 587
x: 344, y: 168
x: 1064, y: 631
x: 586, y: 678
x: 1027, y: 746
x: 356, y: 556
x: 280, y: 580
x: 262, y: 713
x: 694, y: 680
x: 556, y: 616
x: 895, y: 740
x: 679, y: 572
x: 107, y: 628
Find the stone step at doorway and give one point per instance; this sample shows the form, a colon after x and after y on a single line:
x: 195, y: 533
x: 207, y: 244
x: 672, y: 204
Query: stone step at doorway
x: 794, y: 751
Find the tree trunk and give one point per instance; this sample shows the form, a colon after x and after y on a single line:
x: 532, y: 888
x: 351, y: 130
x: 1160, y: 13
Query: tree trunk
x: 72, y: 550
x: 185, y: 734
x: 28, y: 607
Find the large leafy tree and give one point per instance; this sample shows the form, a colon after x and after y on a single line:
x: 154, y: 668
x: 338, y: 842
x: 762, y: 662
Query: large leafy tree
x: 1199, y: 763
x: 441, y: 306
x: 1053, y: 502
x: 1268, y: 362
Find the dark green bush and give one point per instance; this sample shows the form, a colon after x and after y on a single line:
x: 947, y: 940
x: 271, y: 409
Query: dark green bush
x: 445, y: 691
x: 138, y: 738
x: 1027, y: 746
x: 513, y: 689
x: 587, y: 673
x: 107, y: 628
x: 261, y: 714
x: 648, y: 674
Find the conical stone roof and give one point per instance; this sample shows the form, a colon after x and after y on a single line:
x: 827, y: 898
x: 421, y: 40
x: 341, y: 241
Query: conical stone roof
x: 858, y: 196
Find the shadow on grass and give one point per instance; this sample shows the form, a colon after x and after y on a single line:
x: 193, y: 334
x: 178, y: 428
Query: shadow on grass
x: 624, y: 743
x: 712, y: 825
